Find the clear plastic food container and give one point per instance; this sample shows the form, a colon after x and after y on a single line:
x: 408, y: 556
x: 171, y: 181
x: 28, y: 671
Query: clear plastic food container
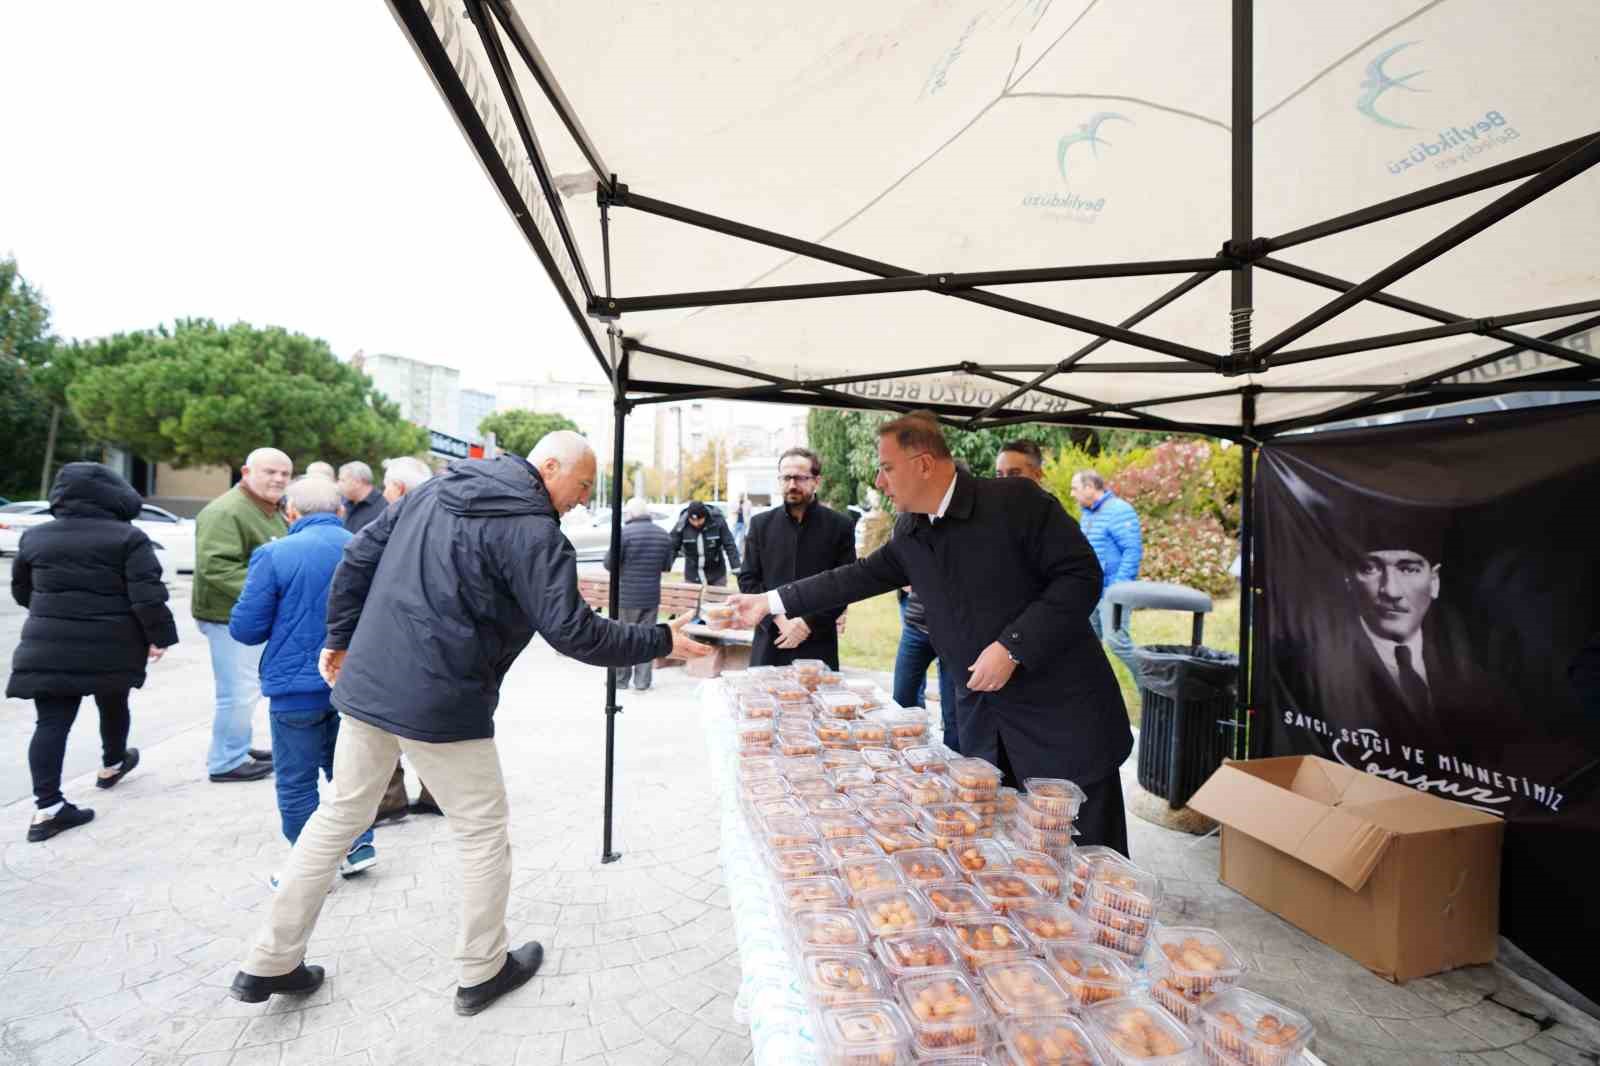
x: 1007, y: 799
x: 778, y: 807
x: 925, y: 759
x: 1121, y: 938
x: 948, y: 820
x: 1039, y: 818
x: 788, y: 832
x: 755, y: 736
x: 920, y: 790
x: 833, y: 804
x: 829, y: 928
x: 753, y: 705
x: 797, y: 742
x: 881, y: 760
x: 833, y: 758
x: 1049, y: 841
x: 1049, y: 923
x: 947, y: 1014
x: 835, y: 826
x: 979, y: 855
x: 835, y: 978
x: 800, y: 766
x: 792, y: 693
x: 851, y: 777
x: 1054, y: 795
x: 1019, y: 988
x: 805, y: 861
x: 988, y: 938
x: 866, y: 733
x: 844, y: 849
x: 1187, y: 966
x: 889, y: 814
x: 758, y: 769
x: 874, y: 1033
x: 866, y: 875
x: 873, y: 793
x: 974, y: 774
x: 811, y: 786
x: 887, y: 911
x: 822, y: 892
x: 809, y: 669
x: 904, y: 725
x: 921, y: 866
x: 1048, y: 1040
x: 1081, y: 861
x: 955, y: 899
x: 763, y: 788
x: 917, y: 952
x: 1089, y: 974
x: 833, y: 732
x: 1005, y: 889
x: 1136, y: 1031
x: 892, y: 838
x: 1125, y: 890
x: 1251, y: 1029
x: 1041, y: 869
x: 841, y: 705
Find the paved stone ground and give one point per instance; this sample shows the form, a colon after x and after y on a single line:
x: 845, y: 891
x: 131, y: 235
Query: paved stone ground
x: 118, y: 939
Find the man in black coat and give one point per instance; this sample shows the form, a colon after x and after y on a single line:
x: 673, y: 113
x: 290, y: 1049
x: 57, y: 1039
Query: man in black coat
x: 429, y: 608
x: 704, y: 527
x: 1008, y: 581
x: 363, y: 503
x: 801, y: 538
x: 646, y: 554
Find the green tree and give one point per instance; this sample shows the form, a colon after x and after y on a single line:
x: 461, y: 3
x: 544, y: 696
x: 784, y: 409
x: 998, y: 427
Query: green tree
x: 518, y: 430
x: 199, y: 394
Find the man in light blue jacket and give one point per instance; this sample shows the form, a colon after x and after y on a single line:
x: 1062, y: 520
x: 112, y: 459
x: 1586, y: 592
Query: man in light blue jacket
x: 1112, y: 527
x: 285, y: 604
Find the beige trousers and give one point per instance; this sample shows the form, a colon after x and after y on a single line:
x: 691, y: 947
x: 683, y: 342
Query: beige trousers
x: 465, y: 780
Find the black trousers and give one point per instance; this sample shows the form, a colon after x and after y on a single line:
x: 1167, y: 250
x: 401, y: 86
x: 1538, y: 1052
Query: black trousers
x: 48, y: 749
x: 1102, y: 819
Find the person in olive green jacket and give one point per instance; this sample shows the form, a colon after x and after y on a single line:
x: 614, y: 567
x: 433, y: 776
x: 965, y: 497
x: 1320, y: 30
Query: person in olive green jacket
x: 227, y: 530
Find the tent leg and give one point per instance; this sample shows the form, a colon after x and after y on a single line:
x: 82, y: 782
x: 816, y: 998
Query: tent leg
x: 1244, y: 742
x: 619, y: 387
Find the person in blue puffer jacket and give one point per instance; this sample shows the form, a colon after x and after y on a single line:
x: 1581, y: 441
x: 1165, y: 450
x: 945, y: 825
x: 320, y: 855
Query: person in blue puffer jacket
x: 1112, y: 528
x: 285, y: 604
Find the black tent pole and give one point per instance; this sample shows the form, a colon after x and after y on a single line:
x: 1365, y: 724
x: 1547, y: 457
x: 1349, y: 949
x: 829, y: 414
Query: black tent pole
x: 1239, y: 354
x: 1243, y: 742
x: 619, y: 388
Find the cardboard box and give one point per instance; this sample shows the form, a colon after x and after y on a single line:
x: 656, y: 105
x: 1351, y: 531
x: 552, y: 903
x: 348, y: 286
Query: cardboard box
x: 1405, y: 883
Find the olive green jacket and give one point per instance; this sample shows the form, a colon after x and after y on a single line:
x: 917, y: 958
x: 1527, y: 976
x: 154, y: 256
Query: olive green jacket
x: 227, y: 530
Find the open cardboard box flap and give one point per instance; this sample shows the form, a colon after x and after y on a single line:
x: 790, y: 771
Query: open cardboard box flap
x: 1296, y: 806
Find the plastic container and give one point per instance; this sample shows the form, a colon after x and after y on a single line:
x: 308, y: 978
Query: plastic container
x: 763, y: 788
x: 1251, y: 1029
x: 977, y: 855
x: 754, y: 705
x: 1005, y: 889
x: 1187, y: 966
x: 1007, y: 800
x: 1081, y: 862
x: 1020, y: 988
x: 1028, y: 838
x: 812, y: 786
x: 1134, y: 893
x: 838, y: 705
x: 925, y: 759
x: 778, y: 807
x: 1055, y: 795
x: 833, y: 732
x: 807, y: 861
x: 892, y: 838
x: 867, y: 875
x: 794, y: 742
x: 835, y: 826
x: 1107, y: 918
x: 1089, y: 974
x: 1048, y: 1040
x: 881, y: 760
x: 987, y: 939
x: 831, y: 804
x: 800, y: 766
x: 887, y: 911
x: 873, y: 1033
x: 903, y: 954
x: 790, y: 832
x: 1121, y: 938
x: 866, y: 733
x: 955, y: 899
x: 822, y: 892
x: 809, y: 669
x: 947, y: 1013
x: 758, y: 769
x: 896, y: 815
x: 1041, y: 869
x: 755, y: 736
x: 1040, y: 818
x: 833, y: 758
x: 905, y: 725
x: 1076, y: 895
x: 920, y: 790
x: 837, y: 978
x: 851, y: 776
x: 1136, y: 1031
x: 974, y: 774
x: 791, y: 693
x: 877, y: 792
x: 948, y: 820
x: 1049, y: 923
x: 921, y: 866
x: 845, y: 849
x: 829, y: 928
x: 831, y: 679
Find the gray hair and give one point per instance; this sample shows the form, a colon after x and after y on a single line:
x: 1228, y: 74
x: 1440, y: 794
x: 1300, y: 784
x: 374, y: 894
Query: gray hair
x: 563, y: 445
x: 406, y: 470
x: 358, y: 470
x: 262, y: 454
x: 636, y: 508
x: 1090, y: 478
x: 313, y: 495
x: 319, y: 469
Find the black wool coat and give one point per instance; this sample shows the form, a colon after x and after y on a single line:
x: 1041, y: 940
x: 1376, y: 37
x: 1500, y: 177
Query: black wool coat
x: 1004, y: 564
x: 92, y: 586
x: 777, y: 549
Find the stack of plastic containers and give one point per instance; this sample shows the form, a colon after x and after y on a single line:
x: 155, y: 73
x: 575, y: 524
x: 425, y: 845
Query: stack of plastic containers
x: 1045, y: 812
x: 1187, y: 967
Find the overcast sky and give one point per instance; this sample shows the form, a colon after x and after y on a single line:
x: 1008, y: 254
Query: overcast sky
x: 286, y: 163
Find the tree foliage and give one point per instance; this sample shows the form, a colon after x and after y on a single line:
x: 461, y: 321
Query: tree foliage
x: 518, y: 430
x: 200, y: 394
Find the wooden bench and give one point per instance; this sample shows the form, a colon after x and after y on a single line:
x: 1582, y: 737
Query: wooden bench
x: 678, y: 597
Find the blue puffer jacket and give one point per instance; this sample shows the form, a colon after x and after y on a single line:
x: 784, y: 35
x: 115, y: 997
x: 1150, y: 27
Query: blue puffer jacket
x: 285, y: 603
x: 1112, y: 527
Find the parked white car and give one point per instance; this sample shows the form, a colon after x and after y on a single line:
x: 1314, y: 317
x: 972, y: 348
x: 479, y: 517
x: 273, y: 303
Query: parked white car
x: 173, y: 536
x: 590, y: 531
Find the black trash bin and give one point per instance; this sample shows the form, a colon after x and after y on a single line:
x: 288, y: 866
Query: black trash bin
x: 1187, y: 704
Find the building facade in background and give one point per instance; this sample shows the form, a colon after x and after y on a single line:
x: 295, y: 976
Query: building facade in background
x: 428, y: 394
x: 476, y: 405
x: 588, y: 404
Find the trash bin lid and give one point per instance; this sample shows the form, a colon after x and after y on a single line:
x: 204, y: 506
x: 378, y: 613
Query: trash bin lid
x: 1158, y: 595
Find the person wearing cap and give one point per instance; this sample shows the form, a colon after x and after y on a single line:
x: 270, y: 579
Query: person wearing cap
x: 703, y: 536
x: 363, y: 503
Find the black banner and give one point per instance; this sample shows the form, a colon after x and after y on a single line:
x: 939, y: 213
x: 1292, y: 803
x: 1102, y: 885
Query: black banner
x: 1431, y: 614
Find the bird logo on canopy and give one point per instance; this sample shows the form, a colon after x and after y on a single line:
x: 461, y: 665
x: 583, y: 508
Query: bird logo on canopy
x: 1377, y: 82
x: 1088, y: 133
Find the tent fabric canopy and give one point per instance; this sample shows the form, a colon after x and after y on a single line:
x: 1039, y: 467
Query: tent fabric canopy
x: 919, y: 141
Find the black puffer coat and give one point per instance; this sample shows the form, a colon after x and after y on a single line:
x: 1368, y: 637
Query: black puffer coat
x: 93, y: 589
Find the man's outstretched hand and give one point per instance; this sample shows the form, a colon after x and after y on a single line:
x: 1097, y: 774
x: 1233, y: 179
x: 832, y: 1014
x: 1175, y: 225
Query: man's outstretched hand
x: 683, y: 646
x: 748, y: 607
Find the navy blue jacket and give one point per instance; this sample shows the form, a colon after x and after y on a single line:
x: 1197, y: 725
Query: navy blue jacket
x: 437, y: 598
x: 646, y: 553
x: 285, y: 603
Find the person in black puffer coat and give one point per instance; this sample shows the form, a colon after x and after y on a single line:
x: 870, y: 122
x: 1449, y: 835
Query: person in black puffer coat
x: 97, y: 610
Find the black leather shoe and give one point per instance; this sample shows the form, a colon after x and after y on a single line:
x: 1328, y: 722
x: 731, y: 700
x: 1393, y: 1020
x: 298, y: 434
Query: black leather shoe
x: 261, y: 754
x: 249, y: 770
x: 68, y: 817
x: 129, y: 761
x: 520, y: 967
x: 300, y: 981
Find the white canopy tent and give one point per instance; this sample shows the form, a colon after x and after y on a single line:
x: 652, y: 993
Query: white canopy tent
x: 1203, y: 215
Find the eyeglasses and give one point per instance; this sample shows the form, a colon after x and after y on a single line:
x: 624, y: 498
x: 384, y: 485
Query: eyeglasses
x: 886, y: 469
x: 796, y: 479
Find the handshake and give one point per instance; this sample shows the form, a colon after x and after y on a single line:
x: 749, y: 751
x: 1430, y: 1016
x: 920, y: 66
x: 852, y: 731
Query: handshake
x: 748, y: 609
